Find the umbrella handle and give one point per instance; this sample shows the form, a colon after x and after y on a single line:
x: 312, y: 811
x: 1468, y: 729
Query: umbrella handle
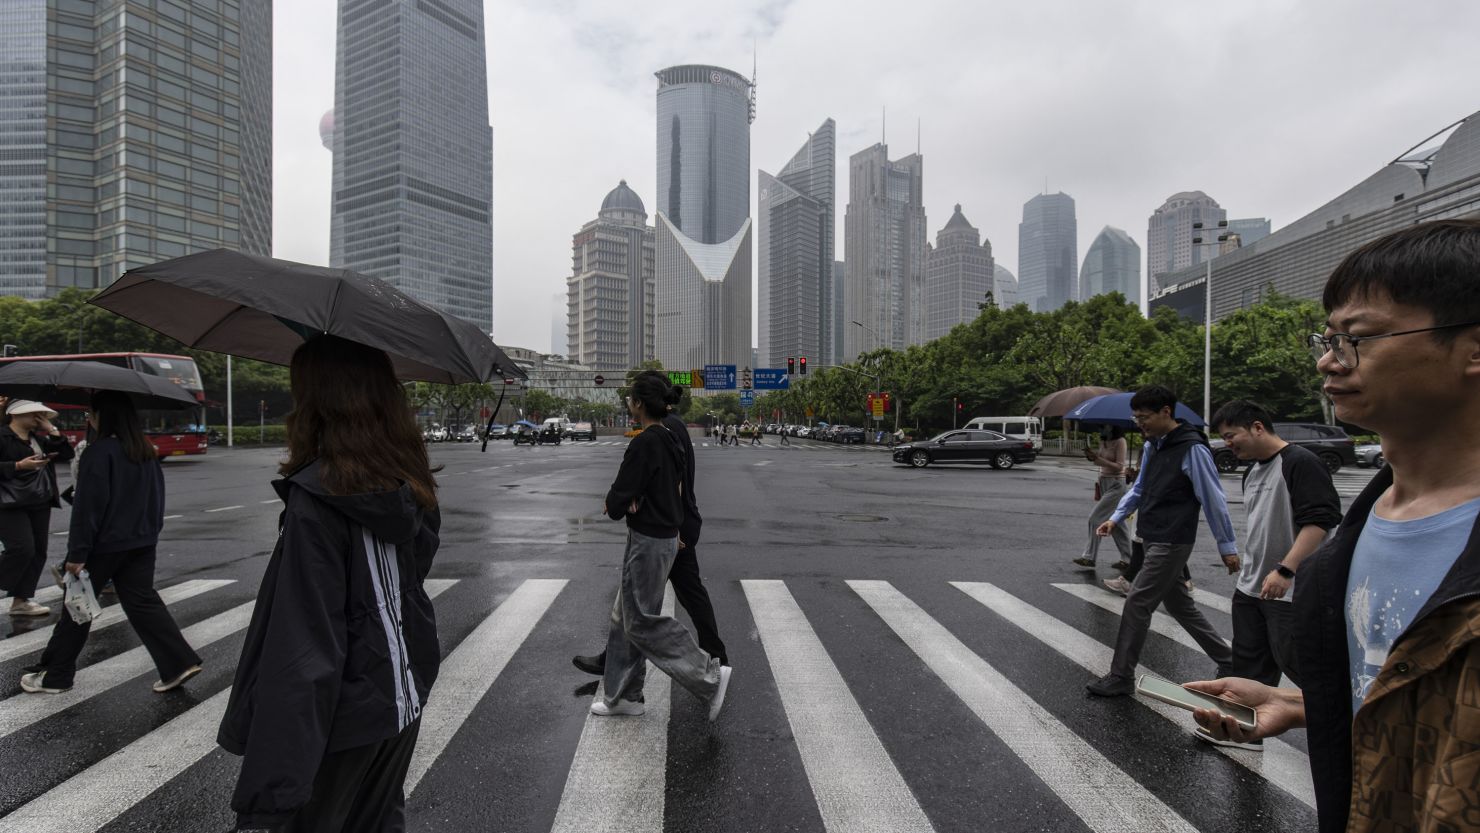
x: 491, y: 417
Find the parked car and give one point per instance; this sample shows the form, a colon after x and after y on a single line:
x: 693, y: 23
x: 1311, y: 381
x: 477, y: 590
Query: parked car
x: 468, y: 434
x: 581, y: 431
x: 435, y: 434
x: 1369, y: 456
x: 848, y: 435
x: 1328, y: 442
x: 967, y: 447
x: 498, y: 431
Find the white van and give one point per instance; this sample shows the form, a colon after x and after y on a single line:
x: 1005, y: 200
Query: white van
x: 560, y: 424
x: 1013, y: 427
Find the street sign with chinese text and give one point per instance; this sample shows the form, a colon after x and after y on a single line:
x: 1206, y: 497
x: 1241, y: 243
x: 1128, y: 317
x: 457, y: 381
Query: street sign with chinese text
x: 682, y: 378
x: 772, y: 378
x: 719, y: 376
x: 747, y: 398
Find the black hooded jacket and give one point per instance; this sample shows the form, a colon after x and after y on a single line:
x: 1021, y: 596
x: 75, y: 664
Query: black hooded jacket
x: 688, y: 532
x: 651, y: 475
x: 342, y: 649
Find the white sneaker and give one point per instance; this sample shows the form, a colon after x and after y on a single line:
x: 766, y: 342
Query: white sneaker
x: 1119, y: 585
x: 29, y: 608
x: 622, y: 708
x: 718, y: 702
x: 36, y: 684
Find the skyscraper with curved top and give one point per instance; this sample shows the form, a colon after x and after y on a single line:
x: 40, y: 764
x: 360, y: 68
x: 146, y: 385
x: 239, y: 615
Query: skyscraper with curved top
x: 413, y: 151
x: 703, y: 216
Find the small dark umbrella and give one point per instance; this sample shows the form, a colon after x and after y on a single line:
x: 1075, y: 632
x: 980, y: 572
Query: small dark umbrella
x: 262, y: 308
x: 1060, y: 402
x: 72, y: 383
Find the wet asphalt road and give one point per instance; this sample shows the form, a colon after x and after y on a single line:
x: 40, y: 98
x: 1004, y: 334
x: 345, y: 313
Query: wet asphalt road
x: 847, y: 706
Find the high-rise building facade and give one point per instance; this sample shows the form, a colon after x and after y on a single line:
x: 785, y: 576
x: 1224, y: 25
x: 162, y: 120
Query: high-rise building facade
x: 130, y: 132
x: 1048, y: 253
x: 703, y: 229
x: 610, y: 294
x: 1250, y: 230
x: 1169, y: 234
x: 794, y: 260
x: 1112, y: 264
x: 959, y: 274
x: 884, y: 249
x: 1005, y: 287
x: 839, y: 311
x: 413, y: 152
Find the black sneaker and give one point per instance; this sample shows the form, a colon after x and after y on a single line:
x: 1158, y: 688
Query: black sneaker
x: 1111, y: 685
x: 591, y: 665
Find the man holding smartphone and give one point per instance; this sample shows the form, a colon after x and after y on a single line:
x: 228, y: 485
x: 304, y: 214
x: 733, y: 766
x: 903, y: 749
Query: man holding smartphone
x: 1387, y: 613
x: 1177, y: 478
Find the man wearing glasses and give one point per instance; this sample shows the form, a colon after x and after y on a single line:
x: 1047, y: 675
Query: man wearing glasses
x: 1387, y: 613
x: 1177, y: 479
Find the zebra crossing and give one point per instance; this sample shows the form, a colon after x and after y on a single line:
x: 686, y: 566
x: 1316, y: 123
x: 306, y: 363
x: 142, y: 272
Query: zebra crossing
x: 800, y: 640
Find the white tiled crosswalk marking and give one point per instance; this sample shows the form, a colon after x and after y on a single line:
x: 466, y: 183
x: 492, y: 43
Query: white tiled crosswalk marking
x: 102, y: 792
x: 856, y: 785
x: 112, y: 615
x: 629, y: 797
x: 1100, y: 793
x: 1280, y: 763
x: 468, y: 672
x: 1222, y: 604
x: 1115, y: 603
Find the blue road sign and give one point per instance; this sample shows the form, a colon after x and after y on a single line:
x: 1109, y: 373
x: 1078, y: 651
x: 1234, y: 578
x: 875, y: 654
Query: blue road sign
x: 719, y: 377
x: 772, y: 378
x: 747, y: 398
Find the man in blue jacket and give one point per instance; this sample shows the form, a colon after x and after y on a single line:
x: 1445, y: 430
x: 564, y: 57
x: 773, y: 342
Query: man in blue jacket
x: 1177, y: 479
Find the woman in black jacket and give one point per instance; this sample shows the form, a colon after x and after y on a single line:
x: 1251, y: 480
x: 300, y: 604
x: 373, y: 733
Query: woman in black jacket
x: 30, y: 448
x: 648, y: 492
x: 342, y: 649
x: 117, y: 515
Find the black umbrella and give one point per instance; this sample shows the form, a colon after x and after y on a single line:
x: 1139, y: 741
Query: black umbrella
x: 72, y: 383
x: 262, y: 308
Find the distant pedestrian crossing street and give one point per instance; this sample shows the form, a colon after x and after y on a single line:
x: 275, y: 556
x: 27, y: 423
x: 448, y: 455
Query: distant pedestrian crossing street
x: 807, y: 680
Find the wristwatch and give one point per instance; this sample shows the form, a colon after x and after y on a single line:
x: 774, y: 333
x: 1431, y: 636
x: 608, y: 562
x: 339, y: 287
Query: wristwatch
x: 1285, y: 572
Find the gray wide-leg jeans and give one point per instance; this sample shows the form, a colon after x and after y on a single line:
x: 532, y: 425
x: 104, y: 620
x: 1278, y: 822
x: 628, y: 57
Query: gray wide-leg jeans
x: 1112, y: 489
x: 1160, y: 582
x: 640, y: 631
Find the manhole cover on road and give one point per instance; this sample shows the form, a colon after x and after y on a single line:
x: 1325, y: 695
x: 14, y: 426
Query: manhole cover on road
x: 861, y: 519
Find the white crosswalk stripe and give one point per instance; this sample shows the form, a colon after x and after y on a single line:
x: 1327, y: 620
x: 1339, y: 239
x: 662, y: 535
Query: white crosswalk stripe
x: 36, y: 640
x: 619, y: 774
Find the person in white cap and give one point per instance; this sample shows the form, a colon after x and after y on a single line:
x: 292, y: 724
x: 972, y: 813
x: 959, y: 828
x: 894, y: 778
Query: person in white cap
x: 30, y: 447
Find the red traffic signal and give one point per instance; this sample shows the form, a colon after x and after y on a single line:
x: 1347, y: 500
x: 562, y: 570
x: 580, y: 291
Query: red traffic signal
x: 803, y: 361
x: 791, y: 365
x: 960, y: 406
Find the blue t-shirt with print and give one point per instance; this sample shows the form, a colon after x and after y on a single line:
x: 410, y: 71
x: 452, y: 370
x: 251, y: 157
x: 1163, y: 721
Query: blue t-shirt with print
x: 1397, y: 566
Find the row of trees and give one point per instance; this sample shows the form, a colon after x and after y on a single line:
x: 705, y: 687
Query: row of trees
x: 1000, y: 363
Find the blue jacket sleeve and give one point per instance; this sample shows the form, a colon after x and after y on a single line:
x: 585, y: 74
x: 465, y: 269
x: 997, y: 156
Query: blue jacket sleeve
x: 1199, y: 468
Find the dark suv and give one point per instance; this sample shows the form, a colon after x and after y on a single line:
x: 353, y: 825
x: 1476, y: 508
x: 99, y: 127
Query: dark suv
x: 1328, y: 442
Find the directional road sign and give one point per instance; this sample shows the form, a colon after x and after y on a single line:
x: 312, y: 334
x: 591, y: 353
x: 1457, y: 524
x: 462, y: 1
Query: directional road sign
x: 772, y: 378
x: 719, y: 376
x: 747, y: 398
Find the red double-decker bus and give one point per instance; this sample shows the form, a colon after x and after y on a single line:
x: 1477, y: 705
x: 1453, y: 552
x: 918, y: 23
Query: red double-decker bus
x: 173, y: 432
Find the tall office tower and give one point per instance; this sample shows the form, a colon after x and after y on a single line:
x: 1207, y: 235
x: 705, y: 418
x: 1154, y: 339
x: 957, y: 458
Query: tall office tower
x: 1048, y: 253
x: 703, y: 223
x: 1169, y: 234
x: 609, y: 298
x: 1113, y: 264
x: 130, y: 133
x: 1004, y: 287
x: 839, y: 311
x: 413, y: 152
x: 959, y: 274
x: 794, y: 261
x: 884, y: 247
x: 1249, y: 229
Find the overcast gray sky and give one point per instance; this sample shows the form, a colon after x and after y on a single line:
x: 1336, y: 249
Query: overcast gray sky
x: 1270, y: 107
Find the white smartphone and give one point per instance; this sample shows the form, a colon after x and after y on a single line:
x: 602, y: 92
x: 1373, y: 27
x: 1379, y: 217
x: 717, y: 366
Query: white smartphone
x: 1169, y: 692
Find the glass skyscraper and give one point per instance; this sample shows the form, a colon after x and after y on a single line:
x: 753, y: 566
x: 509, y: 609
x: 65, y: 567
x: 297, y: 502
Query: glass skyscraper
x: 794, y: 261
x: 609, y: 296
x: 884, y: 249
x: 1169, y: 234
x: 960, y: 273
x: 1048, y: 253
x: 703, y: 220
x: 1113, y: 264
x: 413, y: 152
x: 131, y: 131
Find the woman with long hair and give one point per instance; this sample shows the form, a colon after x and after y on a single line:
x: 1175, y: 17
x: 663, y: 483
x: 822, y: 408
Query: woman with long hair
x: 648, y: 493
x: 30, y: 448
x: 342, y: 649
x: 117, y: 515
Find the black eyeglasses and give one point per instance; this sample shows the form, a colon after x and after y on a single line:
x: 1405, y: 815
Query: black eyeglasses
x: 1344, y: 345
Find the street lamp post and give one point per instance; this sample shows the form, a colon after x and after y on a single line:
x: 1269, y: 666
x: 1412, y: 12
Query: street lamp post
x: 1208, y: 318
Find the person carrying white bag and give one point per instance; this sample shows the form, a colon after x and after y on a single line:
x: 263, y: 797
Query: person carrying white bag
x: 117, y: 515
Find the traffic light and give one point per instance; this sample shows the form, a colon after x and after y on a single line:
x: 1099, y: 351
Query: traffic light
x: 960, y: 406
x: 791, y: 365
x: 803, y: 361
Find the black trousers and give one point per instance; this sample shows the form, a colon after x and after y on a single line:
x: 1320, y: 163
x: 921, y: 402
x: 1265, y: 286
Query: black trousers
x: 360, y: 790
x: 24, y: 533
x: 1263, y: 640
x: 688, y: 589
x: 1138, y: 557
x: 132, y: 573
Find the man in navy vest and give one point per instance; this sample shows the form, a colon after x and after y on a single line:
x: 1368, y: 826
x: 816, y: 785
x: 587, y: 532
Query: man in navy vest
x: 1177, y: 479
